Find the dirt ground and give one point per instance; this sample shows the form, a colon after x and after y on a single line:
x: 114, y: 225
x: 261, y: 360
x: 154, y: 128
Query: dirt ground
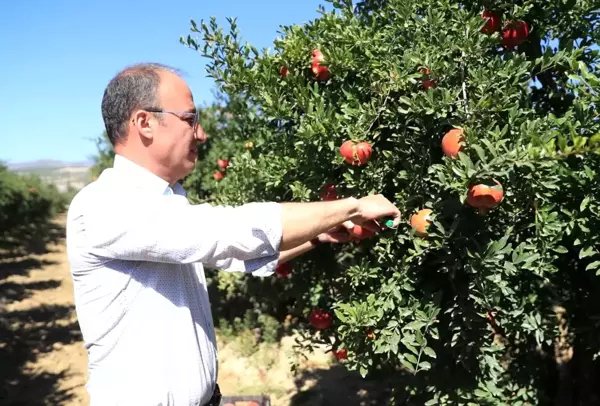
x: 43, y: 362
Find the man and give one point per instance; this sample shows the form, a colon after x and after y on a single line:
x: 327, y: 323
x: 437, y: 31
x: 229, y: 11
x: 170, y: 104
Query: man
x: 137, y: 247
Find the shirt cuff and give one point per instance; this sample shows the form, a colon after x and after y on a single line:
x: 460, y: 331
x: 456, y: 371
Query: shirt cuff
x: 270, y: 214
x: 262, y: 267
x: 267, y: 226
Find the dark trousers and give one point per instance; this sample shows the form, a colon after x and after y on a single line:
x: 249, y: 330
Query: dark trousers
x: 216, y: 397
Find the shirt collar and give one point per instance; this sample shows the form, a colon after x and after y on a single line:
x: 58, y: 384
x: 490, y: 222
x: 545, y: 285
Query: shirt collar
x: 145, y: 179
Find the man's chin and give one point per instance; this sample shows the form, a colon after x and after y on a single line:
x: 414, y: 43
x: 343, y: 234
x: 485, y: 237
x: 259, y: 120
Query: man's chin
x: 190, y: 165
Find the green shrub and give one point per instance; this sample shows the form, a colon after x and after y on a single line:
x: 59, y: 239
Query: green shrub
x: 26, y: 199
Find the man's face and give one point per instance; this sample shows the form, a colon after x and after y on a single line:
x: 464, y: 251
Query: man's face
x: 175, y: 141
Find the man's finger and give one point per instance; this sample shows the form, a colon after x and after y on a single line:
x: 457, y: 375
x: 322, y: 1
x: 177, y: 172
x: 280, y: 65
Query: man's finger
x: 393, y: 222
x: 371, y: 226
x: 348, y: 224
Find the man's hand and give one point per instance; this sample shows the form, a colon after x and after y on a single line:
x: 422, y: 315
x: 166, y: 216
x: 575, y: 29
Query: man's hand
x: 368, y: 209
x: 374, y: 207
x: 304, y: 221
x: 335, y: 235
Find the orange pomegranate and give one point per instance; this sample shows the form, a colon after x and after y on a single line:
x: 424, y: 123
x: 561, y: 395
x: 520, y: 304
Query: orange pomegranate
x: 360, y: 232
x: 452, y: 142
x: 421, y: 221
x: 356, y: 154
x: 217, y: 175
x: 347, y: 151
x: 283, y: 71
x: 363, y: 152
x: 485, y: 197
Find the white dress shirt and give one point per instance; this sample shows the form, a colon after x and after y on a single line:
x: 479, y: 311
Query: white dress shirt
x: 136, y: 248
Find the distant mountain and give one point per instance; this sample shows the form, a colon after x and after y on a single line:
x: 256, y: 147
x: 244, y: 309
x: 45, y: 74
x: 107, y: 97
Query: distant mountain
x: 47, y: 164
x: 64, y: 175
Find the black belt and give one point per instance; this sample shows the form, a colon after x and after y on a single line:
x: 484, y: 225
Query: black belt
x: 216, y: 397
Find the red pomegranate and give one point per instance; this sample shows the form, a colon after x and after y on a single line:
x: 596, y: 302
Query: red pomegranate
x: 328, y: 192
x: 222, y: 163
x: 284, y: 270
x: 321, y: 72
x: 428, y: 83
x: 320, y: 319
x: 340, y: 354
x: 514, y: 33
x: 493, y: 22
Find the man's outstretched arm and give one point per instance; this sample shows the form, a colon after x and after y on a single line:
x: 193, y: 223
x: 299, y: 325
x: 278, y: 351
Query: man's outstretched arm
x: 167, y: 229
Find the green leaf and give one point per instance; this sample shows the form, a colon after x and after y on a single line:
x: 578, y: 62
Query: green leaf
x: 430, y: 352
x: 594, y: 139
x: 593, y: 265
x: 410, y: 358
x: 414, y: 325
x: 363, y: 371
x: 424, y: 365
x: 584, y: 203
x: 586, y: 252
x: 560, y: 249
x: 480, y: 152
x: 341, y: 316
x: 411, y: 348
x: 480, y: 393
x: 407, y: 364
x: 394, y: 341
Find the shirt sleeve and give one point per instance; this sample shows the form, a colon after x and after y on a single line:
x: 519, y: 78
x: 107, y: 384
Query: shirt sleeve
x: 260, y: 266
x: 169, y: 229
x: 263, y: 266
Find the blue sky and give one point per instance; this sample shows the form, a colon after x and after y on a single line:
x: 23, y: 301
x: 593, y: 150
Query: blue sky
x: 59, y: 55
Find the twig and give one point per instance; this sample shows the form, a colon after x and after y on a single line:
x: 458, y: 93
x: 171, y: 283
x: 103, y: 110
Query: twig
x: 464, y: 86
x: 379, y: 112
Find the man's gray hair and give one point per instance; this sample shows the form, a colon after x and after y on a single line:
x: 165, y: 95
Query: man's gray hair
x: 135, y: 87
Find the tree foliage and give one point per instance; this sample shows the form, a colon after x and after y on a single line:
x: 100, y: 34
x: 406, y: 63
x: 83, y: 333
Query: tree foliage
x: 490, y: 306
x: 26, y: 199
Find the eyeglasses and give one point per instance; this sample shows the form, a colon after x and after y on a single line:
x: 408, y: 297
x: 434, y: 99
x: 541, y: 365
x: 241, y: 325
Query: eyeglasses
x: 193, y: 117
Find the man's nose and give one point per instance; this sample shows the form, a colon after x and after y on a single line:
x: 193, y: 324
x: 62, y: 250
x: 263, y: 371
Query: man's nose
x: 200, y: 135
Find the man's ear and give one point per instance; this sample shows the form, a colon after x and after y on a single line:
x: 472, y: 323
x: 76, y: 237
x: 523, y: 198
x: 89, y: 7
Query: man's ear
x: 145, y: 123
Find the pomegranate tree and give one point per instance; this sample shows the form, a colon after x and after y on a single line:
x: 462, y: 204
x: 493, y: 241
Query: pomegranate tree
x: 499, y: 219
